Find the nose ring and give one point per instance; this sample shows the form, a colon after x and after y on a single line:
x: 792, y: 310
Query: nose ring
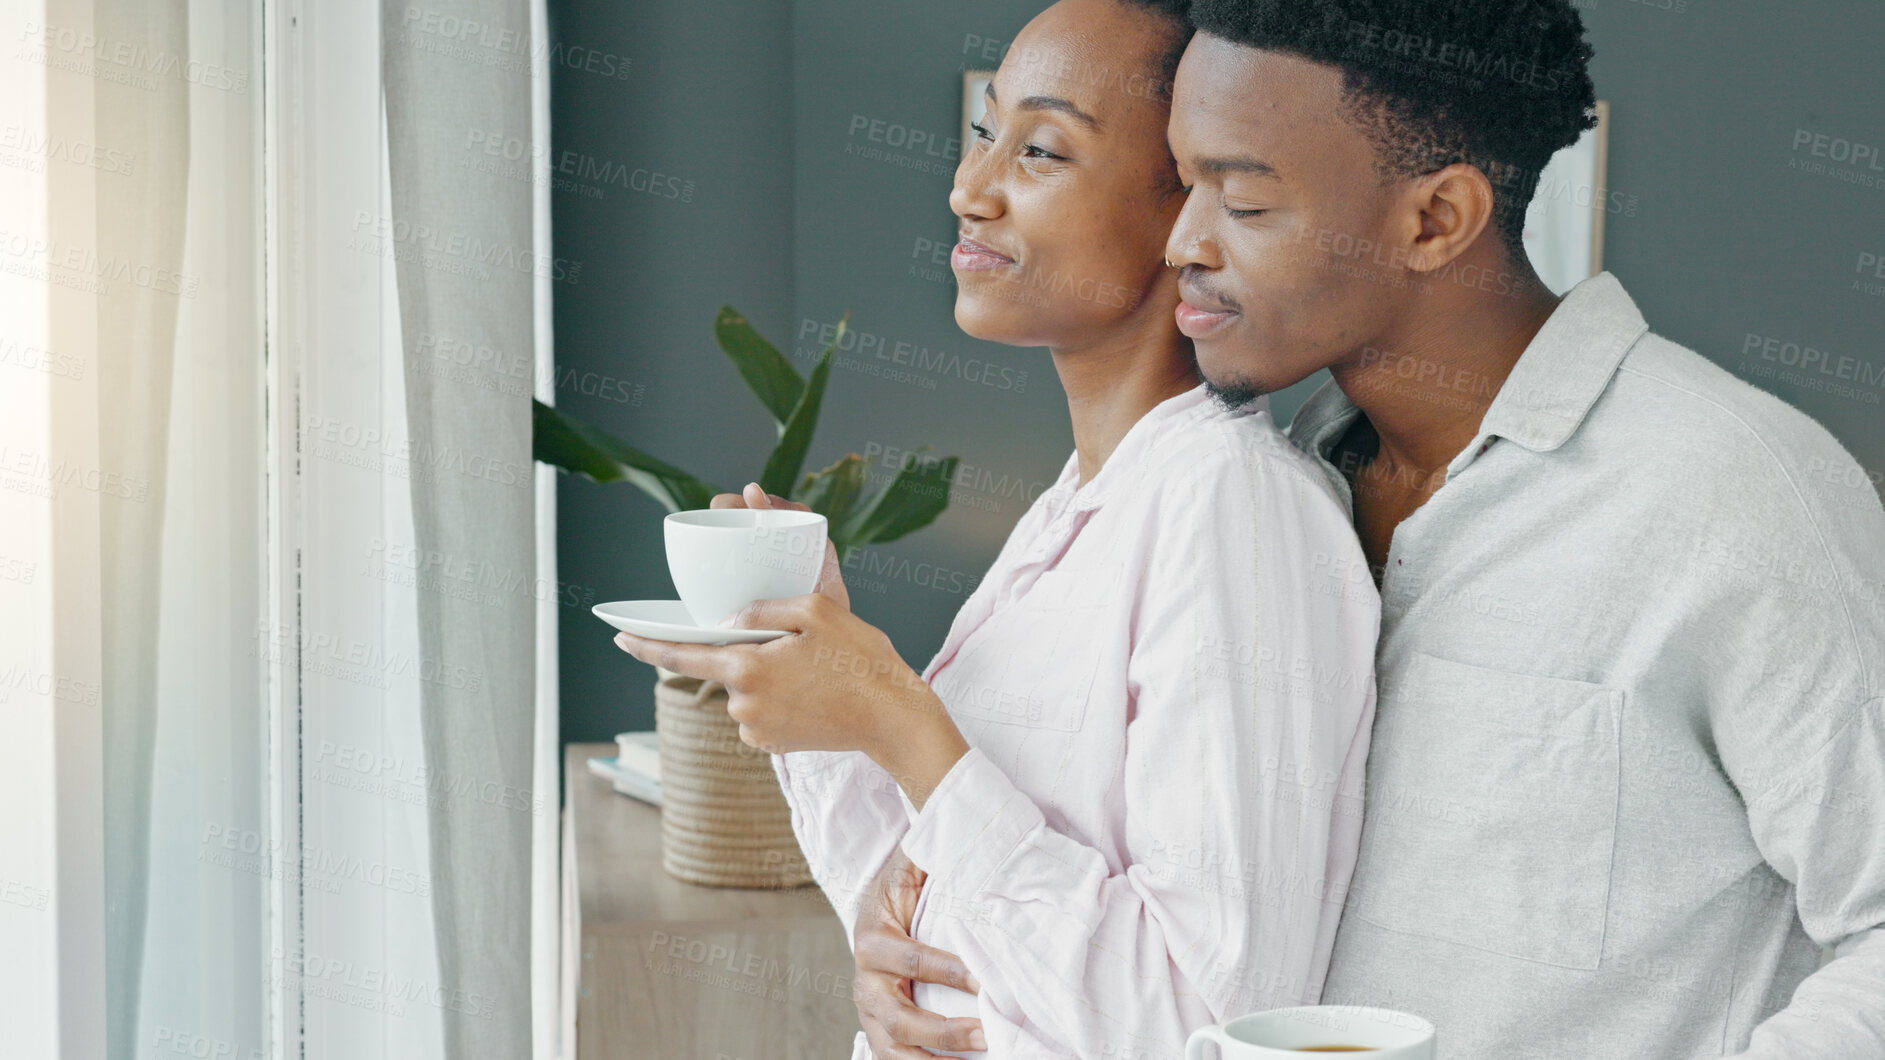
x: 1168, y: 264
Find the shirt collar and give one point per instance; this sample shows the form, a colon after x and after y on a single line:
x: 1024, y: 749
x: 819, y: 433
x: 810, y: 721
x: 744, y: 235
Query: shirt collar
x: 1567, y: 367
x: 1139, y: 441
x: 1552, y: 388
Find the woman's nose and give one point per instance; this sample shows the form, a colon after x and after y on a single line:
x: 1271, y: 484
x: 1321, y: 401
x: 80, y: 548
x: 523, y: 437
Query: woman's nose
x: 974, y: 194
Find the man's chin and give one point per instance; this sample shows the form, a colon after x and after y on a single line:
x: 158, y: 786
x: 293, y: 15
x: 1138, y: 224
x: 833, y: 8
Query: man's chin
x: 1235, y: 394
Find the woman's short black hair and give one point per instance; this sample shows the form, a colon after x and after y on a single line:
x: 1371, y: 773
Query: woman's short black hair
x: 1178, y: 13
x: 1178, y: 9
x: 1500, y: 84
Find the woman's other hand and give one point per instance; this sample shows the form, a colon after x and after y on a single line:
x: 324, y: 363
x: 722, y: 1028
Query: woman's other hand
x: 831, y: 578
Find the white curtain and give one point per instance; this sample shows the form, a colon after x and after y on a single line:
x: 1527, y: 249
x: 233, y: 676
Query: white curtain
x: 422, y: 719
x: 137, y: 824
x: 437, y: 104
x: 141, y: 220
x: 277, y: 752
x: 189, y: 848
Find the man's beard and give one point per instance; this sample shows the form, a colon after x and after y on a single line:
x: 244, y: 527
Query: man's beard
x: 1233, y: 395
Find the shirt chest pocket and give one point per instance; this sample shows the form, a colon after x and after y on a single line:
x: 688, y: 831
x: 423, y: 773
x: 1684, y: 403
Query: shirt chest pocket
x: 1492, y: 811
x: 1033, y: 662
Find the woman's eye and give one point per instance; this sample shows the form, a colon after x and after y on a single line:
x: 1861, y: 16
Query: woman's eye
x: 1037, y: 151
x: 981, y: 132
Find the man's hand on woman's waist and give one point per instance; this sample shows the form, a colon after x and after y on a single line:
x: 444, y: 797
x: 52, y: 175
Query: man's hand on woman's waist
x: 890, y: 962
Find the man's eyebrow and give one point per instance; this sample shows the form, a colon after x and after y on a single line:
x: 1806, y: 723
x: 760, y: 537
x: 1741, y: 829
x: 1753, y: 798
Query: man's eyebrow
x: 1220, y: 166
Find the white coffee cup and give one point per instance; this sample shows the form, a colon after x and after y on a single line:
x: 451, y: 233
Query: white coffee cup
x: 1290, y: 1034
x: 722, y: 559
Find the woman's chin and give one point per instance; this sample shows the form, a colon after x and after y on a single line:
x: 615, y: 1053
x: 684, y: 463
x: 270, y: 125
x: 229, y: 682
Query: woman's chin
x: 985, y: 315
x: 974, y: 318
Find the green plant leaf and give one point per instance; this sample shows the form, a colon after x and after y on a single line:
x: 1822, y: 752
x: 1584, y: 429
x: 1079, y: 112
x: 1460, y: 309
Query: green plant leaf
x: 766, y: 371
x: 564, y: 441
x: 832, y: 491
x: 782, y: 467
x: 912, y: 501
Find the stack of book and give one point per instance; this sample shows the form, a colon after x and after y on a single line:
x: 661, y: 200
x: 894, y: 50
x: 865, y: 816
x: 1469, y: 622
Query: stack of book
x: 635, y: 769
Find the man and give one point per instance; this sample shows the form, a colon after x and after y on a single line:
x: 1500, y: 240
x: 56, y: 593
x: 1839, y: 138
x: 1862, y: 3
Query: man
x: 1630, y: 744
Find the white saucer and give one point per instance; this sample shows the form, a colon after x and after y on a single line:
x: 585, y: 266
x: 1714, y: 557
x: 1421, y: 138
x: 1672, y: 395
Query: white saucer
x: 668, y: 620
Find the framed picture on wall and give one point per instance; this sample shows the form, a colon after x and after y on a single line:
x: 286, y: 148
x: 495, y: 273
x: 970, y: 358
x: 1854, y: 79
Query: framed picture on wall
x: 974, y: 102
x: 1564, y: 226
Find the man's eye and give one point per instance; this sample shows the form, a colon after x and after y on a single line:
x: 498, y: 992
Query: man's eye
x: 1241, y: 214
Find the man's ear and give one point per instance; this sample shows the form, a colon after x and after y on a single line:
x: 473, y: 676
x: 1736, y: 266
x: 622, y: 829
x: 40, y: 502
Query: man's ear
x: 1452, y: 206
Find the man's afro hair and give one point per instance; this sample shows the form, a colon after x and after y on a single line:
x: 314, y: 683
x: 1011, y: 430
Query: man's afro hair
x: 1500, y: 84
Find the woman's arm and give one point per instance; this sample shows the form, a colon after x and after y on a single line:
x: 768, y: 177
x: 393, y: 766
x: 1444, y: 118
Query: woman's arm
x: 1252, y: 670
x: 846, y: 814
x: 1253, y: 675
x: 847, y: 817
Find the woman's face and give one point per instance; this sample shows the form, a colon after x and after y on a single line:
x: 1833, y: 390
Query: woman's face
x: 1067, y: 192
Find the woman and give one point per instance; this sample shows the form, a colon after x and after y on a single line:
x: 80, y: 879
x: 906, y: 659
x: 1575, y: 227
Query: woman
x: 1132, y: 773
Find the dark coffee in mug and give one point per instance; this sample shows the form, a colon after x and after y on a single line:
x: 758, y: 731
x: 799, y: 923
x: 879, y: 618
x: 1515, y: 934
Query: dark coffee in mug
x: 1316, y: 1029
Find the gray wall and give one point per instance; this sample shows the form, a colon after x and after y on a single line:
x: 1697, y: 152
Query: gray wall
x: 706, y: 103
x: 793, y: 123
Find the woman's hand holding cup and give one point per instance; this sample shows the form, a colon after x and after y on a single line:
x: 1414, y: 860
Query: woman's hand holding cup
x: 831, y: 578
x: 834, y: 683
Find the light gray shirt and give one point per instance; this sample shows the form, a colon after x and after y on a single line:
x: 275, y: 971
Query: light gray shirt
x: 1629, y: 750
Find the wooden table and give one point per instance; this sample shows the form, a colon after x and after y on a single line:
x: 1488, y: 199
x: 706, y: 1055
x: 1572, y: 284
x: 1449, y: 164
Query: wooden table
x: 657, y: 968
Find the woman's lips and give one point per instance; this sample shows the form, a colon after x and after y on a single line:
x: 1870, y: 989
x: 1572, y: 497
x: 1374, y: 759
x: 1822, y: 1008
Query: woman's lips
x: 1196, y: 323
x: 970, y: 256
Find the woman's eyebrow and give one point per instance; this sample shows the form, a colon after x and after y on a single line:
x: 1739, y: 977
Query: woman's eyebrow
x: 1056, y: 103
x: 1063, y: 106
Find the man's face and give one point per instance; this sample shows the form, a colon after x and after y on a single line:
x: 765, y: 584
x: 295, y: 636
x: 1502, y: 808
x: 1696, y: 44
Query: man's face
x: 1292, y: 248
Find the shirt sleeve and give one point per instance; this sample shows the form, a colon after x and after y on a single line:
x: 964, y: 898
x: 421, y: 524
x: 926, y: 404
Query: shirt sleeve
x: 1818, y: 827
x: 848, y: 815
x: 1252, y: 681
x: 1799, y: 720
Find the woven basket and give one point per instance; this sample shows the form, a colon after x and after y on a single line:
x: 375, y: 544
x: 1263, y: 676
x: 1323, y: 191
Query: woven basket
x: 724, y: 821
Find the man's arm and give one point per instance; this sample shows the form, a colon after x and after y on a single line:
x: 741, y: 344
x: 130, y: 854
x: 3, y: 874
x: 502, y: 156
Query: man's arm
x: 1819, y: 827
x: 1833, y: 1012
x: 1801, y: 732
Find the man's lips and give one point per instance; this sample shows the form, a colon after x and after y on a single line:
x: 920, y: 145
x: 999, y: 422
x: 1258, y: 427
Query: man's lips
x: 1197, y: 321
x: 971, y: 256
